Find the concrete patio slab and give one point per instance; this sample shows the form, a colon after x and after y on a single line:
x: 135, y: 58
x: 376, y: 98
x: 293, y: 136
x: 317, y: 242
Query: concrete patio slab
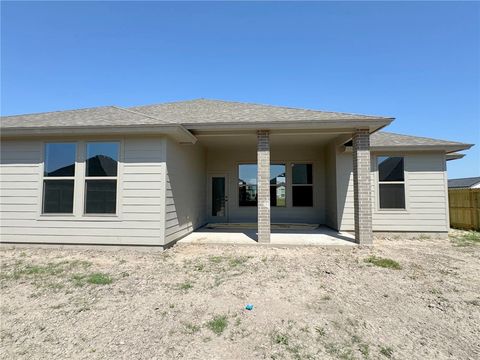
x: 320, y: 236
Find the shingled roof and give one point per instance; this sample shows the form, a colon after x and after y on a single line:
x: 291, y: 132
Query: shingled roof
x: 192, y: 114
x: 202, y: 111
x: 463, y: 182
x: 388, y: 139
x: 91, y: 117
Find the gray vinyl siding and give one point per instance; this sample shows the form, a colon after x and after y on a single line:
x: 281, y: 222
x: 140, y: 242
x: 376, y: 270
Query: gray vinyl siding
x: 141, y: 198
x: 185, y: 206
x: 425, y: 195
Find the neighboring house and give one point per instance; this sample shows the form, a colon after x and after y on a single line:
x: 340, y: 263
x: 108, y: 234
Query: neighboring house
x: 464, y: 183
x: 149, y: 175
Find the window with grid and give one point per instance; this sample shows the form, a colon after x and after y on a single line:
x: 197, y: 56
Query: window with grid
x: 391, y: 180
x: 59, y: 178
x: 302, y: 185
x: 101, y: 171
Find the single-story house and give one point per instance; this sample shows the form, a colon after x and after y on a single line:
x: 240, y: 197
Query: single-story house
x: 149, y: 175
x: 464, y: 183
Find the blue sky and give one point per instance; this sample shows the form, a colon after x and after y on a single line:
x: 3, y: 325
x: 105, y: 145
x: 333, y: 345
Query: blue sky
x: 418, y: 62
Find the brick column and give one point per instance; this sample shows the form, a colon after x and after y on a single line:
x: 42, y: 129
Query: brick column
x: 362, y: 190
x: 263, y: 186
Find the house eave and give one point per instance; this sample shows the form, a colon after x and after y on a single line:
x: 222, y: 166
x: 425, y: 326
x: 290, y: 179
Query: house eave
x: 408, y: 148
x: 177, y: 132
x: 371, y: 124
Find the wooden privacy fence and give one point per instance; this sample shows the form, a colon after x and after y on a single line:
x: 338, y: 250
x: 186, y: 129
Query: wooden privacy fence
x: 464, y: 208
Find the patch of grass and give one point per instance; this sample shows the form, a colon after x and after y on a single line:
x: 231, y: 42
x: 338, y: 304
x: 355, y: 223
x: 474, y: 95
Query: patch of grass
x: 279, y: 338
x: 339, y: 352
x: 216, y: 259
x: 383, y: 262
x: 364, y: 350
x: 39, y: 272
x: 191, y: 328
x: 185, y: 286
x: 386, y: 351
x: 218, y: 324
x: 237, y: 261
x: 99, y: 279
x: 467, y: 239
x: 95, y: 279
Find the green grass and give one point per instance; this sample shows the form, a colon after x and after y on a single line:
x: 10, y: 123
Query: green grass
x: 281, y: 339
x: 191, y: 328
x: 383, y: 262
x: 218, y: 324
x: 99, y: 279
x: 185, y: 286
x: 237, y: 261
x: 95, y: 279
x: 386, y: 351
x: 468, y: 239
x: 19, y: 269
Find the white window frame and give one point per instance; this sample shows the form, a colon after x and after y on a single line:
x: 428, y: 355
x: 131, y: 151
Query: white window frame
x: 378, y: 183
x: 79, y: 183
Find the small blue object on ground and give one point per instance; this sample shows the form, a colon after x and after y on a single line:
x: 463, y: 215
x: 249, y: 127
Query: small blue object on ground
x: 249, y: 307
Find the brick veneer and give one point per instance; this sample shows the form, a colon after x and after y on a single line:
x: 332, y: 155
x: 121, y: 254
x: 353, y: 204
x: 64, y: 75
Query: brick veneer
x: 263, y: 186
x: 362, y: 191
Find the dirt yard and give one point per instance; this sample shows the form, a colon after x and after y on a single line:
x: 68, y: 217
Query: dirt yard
x: 402, y: 299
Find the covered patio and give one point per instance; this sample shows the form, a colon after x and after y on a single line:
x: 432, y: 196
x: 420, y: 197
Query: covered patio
x: 281, y: 235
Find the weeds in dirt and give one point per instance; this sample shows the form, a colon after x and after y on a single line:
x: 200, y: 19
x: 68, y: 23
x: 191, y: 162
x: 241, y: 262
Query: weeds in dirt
x: 216, y: 259
x: 185, y: 286
x: 218, y: 324
x: 320, y: 331
x: 467, y: 239
x: 364, y: 350
x: 95, y: 279
x: 236, y: 261
x: 383, y: 262
x: 386, y: 351
x: 339, y: 351
x: 191, y: 328
x: 99, y: 279
x: 279, y: 338
x: 41, y: 273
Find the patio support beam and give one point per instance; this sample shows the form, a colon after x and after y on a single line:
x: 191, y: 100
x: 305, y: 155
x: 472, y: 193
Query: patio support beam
x: 263, y: 186
x: 362, y: 190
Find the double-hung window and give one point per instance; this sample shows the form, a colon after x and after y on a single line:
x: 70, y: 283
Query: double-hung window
x: 302, y: 185
x: 101, y: 171
x: 99, y: 181
x: 391, y: 180
x: 59, y: 178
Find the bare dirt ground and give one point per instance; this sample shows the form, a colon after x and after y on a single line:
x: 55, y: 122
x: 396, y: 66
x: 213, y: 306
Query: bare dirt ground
x: 188, y: 302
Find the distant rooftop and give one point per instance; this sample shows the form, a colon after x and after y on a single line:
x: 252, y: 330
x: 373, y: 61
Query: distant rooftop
x: 463, y: 182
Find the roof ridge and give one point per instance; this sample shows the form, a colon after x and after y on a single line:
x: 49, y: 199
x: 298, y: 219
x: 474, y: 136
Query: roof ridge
x: 142, y: 114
